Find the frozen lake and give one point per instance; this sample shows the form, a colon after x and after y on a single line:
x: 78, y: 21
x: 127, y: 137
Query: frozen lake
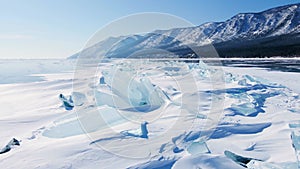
x: 150, y: 114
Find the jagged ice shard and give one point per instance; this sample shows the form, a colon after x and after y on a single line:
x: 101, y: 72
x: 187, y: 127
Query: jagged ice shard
x: 127, y: 91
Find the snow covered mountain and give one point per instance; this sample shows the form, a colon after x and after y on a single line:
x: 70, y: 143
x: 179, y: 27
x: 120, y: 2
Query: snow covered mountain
x: 248, y: 26
x: 243, y: 27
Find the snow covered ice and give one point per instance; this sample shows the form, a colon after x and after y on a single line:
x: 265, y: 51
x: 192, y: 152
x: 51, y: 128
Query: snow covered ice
x: 150, y: 114
x: 7, y: 148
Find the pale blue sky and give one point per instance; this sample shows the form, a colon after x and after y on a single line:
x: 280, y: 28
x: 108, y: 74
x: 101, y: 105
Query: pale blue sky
x: 59, y: 28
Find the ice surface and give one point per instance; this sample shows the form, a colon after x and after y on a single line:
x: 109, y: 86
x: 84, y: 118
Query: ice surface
x: 20, y: 71
x: 255, y: 164
x: 243, y: 161
x: 198, y: 148
x: 225, y: 130
x: 296, y: 144
x: 69, y: 125
x: 161, y: 163
x: 78, y: 98
x: 251, y: 98
x: 206, y: 162
x: 259, y: 119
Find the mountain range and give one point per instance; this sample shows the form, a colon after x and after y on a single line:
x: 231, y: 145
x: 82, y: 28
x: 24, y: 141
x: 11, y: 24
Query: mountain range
x: 274, y: 32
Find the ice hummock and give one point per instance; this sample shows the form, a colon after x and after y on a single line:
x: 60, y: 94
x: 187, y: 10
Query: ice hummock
x: 142, y: 132
x: 13, y: 142
x: 67, y: 102
x: 127, y: 91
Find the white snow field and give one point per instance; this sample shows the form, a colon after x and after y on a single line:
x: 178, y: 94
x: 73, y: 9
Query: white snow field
x: 147, y: 114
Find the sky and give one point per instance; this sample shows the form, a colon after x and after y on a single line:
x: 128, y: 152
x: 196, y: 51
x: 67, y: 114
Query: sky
x: 48, y: 29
